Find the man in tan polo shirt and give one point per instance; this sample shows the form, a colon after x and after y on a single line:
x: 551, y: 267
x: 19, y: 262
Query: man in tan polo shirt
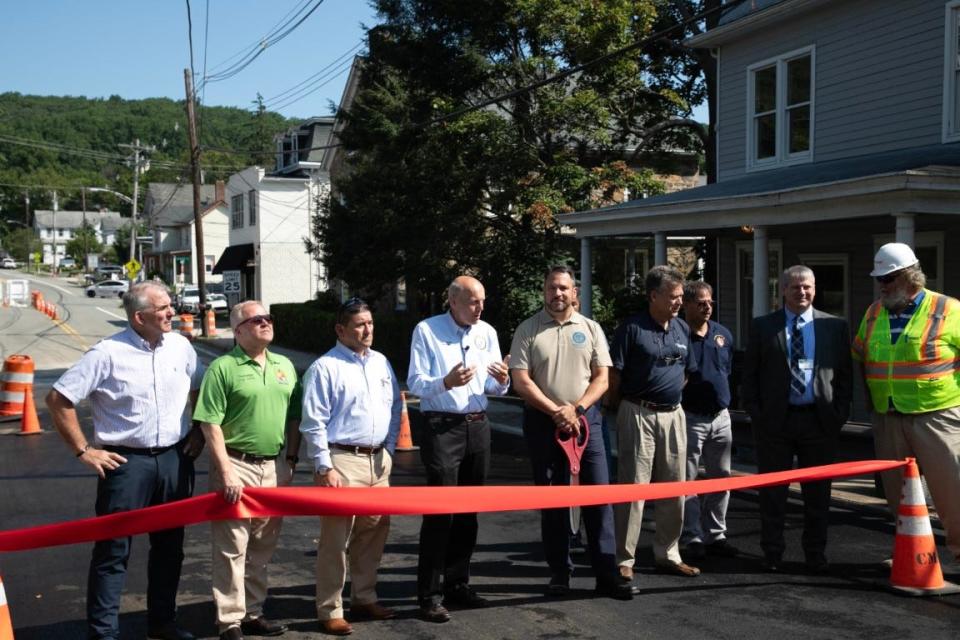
x: 559, y: 361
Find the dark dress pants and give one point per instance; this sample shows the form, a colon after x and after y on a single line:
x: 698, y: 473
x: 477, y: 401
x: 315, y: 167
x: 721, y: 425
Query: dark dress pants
x: 551, y: 467
x: 455, y: 453
x: 142, y: 481
x: 801, y: 434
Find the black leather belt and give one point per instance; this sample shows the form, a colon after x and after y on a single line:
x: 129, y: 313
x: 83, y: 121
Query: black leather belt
x: 249, y: 457
x: 477, y: 416
x: 652, y: 406
x: 138, y: 451
x: 367, y: 451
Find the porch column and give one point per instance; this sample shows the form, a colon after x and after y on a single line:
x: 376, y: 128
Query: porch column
x: 660, y: 247
x: 761, y: 270
x: 631, y: 255
x: 586, y: 277
x: 906, y: 226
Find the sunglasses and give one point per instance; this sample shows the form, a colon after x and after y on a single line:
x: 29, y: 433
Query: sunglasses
x: 258, y: 320
x: 887, y: 279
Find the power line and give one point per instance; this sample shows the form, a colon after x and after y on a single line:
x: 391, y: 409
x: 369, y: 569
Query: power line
x: 259, y: 42
x: 280, y: 95
x: 303, y: 93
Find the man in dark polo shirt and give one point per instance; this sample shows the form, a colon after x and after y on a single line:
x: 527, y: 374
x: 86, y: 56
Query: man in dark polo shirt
x: 709, y: 434
x: 651, y: 358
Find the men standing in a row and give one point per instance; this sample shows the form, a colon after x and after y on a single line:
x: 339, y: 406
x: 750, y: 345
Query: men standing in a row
x: 559, y: 361
x: 249, y: 405
x: 351, y: 420
x: 138, y: 383
x: 454, y: 362
x: 709, y: 434
x: 651, y: 359
x: 797, y: 387
x: 909, y: 346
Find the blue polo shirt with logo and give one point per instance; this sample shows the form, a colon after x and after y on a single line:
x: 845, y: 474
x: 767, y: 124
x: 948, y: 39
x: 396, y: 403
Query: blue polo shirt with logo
x: 653, y: 361
x: 708, y: 388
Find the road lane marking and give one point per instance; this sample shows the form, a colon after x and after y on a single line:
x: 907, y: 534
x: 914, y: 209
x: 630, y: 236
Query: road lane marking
x: 70, y: 331
x: 111, y: 314
x: 47, y: 284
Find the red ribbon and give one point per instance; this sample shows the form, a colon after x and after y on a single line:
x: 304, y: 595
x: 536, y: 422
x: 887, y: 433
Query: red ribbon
x: 326, y: 501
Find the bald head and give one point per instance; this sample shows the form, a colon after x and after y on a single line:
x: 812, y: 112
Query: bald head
x: 466, y: 295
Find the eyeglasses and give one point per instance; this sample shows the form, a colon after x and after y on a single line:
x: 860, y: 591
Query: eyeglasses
x: 890, y: 277
x: 258, y: 320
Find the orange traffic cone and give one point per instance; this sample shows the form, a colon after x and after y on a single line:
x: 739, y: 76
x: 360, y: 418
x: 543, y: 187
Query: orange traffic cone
x: 405, y: 439
x: 6, y: 626
x: 30, y: 425
x: 916, y: 567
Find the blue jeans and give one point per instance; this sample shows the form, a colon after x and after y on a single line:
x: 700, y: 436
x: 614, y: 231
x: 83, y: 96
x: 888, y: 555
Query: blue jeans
x: 550, y: 467
x: 142, y: 481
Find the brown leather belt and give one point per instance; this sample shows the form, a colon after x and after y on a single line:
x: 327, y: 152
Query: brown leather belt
x: 477, y: 416
x: 652, y: 406
x: 249, y: 457
x: 367, y: 451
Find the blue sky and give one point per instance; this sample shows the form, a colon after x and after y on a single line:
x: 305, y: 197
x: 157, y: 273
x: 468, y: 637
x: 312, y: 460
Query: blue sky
x: 139, y: 49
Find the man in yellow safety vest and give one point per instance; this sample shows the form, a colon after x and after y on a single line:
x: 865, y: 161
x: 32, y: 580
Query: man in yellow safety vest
x: 909, y: 347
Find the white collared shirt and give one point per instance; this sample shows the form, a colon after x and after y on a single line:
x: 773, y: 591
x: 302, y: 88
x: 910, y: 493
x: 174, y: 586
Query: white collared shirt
x: 438, y: 344
x: 138, y: 395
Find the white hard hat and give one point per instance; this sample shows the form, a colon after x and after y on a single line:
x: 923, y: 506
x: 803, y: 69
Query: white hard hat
x: 891, y: 257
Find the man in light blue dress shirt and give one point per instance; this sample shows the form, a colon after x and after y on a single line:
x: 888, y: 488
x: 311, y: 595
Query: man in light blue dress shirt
x: 454, y: 362
x: 350, y: 421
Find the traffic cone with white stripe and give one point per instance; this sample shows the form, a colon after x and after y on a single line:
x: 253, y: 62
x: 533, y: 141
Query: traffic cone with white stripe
x: 6, y: 626
x: 916, y: 567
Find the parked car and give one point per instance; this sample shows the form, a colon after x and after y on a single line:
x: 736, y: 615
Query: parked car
x: 110, y: 271
x: 189, y: 301
x: 108, y: 289
x: 67, y: 263
x: 8, y: 263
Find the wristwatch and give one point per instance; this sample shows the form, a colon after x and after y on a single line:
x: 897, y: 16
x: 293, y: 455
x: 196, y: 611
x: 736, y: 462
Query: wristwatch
x: 581, y: 411
x: 322, y: 471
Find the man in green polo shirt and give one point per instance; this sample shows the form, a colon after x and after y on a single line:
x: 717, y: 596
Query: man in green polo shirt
x: 249, y: 400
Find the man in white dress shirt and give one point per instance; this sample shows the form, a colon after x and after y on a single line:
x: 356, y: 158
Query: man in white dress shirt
x: 454, y: 361
x: 138, y: 383
x: 350, y: 421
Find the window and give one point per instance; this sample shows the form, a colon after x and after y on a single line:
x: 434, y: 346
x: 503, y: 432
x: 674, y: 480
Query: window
x: 951, y: 73
x: 831, y: 272
x: 208, y: 262
x: 236, y: 211
x: 780, y: 110
x: 252, y: 201
x: 745, y: 284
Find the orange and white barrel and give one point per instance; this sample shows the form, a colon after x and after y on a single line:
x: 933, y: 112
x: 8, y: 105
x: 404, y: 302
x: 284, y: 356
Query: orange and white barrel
x: 186, y: 325
x: 15, y: 381
x: 211, y: 319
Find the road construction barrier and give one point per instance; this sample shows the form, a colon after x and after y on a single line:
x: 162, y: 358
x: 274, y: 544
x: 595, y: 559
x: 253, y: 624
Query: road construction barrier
x: 29, y: 423
x: 186, y: 325
x: 15, y: 293
x: 15, y: 381
x: 6, y: 625
x: 405, y: 439
x: 37, y: 298
x: 916, y: 567
x: 211, y: 320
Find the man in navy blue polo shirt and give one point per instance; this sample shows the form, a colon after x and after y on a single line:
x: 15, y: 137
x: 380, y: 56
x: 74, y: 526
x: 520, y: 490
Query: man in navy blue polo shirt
x: 651, y: 358
x: 709, y: 435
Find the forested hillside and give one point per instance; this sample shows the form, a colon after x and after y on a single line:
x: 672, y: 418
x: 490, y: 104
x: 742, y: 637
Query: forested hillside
x: 49, y: 142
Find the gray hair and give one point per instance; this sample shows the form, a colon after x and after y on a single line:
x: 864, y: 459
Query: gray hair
x: 693, y: 288
x: 236, y: 314
x: 796, y: 272
x: 135, y: 299
x: 914, y: 277
x: 662, y: 276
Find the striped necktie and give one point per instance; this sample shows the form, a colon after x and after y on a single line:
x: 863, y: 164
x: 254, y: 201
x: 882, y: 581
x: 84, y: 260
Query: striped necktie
x: 797, y: 384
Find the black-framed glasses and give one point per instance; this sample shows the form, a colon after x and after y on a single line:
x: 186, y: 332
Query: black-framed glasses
x: 262, y: 319
x: 890, y: 277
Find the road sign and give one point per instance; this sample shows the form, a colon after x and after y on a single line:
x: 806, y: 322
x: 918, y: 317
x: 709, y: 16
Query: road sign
x: 132, y: 267
x: 231, y: 282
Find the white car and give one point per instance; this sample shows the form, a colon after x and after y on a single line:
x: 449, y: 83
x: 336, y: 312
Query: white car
x: 8, y: 263
x: 189, y: 301
x: 108, y: 289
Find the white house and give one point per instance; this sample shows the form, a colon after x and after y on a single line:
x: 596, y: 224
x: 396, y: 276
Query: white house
x: 63, y: 227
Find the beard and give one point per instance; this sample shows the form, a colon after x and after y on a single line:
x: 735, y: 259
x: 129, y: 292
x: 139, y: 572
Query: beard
x: 895, y: 300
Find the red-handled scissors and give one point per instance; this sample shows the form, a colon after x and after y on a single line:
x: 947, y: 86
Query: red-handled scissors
x: 573, y: 447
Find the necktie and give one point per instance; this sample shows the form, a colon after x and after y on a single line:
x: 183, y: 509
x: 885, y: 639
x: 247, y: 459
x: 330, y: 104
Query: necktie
x: 797, y: 384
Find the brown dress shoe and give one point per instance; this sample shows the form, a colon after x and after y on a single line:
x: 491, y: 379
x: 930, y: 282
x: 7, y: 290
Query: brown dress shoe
x: 372, y: 611
x: 678, y: 569
x: 336, y: 627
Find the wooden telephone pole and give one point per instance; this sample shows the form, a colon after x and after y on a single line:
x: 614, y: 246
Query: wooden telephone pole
x: 201, y: 261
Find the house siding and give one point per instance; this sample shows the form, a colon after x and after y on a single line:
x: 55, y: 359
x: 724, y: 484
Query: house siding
x: 855, y: 112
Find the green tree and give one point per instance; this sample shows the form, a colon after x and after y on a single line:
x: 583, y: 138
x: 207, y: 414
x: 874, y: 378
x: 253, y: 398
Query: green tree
x: 21, y: 243
x: 434, y: 189
x: 84, y: 242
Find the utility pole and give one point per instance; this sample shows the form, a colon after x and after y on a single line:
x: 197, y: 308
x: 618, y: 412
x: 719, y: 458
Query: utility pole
x: 201, y: 261
x: 53, y: 225
x: 83, y: 227
x: 140, y: 164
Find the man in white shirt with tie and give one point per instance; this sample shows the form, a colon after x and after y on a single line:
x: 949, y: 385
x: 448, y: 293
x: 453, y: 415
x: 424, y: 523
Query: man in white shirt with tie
x: 350, y: 421
x: 454, y: 362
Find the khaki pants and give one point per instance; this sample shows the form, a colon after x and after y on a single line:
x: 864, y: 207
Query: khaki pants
x: 652, y: 447
x: 241, y: 551
x: 360, y: 537
x: 934, y: 440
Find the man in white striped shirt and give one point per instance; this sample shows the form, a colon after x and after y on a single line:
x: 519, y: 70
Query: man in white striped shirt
x: 138, y: 384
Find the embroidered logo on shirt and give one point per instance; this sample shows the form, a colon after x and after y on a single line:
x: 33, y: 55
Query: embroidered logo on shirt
x: 720, y: 340
x: 579, y: 339
x: 480, y: 342
x: 282, y: 377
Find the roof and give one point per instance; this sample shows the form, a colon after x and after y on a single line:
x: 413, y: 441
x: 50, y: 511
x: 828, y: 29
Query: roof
x: 108, y: 220
x: 171, y: 205
x: 750, y: 15
x: 798, y: 176
x: 310, y: 139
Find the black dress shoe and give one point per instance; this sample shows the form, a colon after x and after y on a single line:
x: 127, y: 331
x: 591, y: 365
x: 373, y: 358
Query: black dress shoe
x: 233, y: 633
x: 434, y: 612
x: 169, y: 631
x: 772, y: 563
x: 722, y: 549
x: 617, y: 589
x: 817, y: 564
x: 463, y: 596
x: 559, y: 584
x: 262, y: 627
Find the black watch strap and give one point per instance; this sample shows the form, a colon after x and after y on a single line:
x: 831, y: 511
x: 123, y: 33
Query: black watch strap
x: 581, y: 411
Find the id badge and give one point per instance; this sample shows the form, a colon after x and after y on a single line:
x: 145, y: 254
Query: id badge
x: 806, y: 364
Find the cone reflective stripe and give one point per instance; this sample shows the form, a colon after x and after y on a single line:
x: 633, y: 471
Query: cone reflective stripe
x: 405, y: 438
x: 916, y: 566
x: 6, y: 626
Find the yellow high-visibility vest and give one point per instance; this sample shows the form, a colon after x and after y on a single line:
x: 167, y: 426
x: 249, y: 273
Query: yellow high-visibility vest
x: 921, y: 371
